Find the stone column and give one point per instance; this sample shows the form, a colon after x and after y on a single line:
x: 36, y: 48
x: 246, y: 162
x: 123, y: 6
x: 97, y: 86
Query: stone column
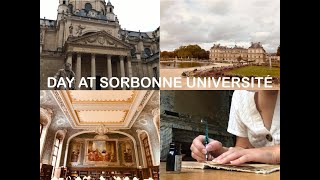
x: 129, y: 67
x: 109, y: 68
x: 78, y: 71
x: 122, y: 67
x: 93, y: 70
x: 122, y: 70
x: 69, y: 59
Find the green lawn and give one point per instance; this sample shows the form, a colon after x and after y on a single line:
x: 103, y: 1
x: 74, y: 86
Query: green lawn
x: 259, y: 71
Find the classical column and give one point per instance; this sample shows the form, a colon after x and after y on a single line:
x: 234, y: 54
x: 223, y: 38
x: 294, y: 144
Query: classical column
x: 129, y: 67
x: 69, y: 59
x: 109, y: 68
x: 122, y: 67
x: 78, y: 71
x: 122, y: 72
x: 93, y: 70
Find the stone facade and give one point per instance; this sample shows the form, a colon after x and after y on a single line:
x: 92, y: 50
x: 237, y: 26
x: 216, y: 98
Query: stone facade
x: 90, y: 38
x: 255, y: 53
x: 273, y: 57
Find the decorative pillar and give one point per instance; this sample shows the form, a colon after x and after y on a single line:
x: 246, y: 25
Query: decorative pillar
x: 129, y: 67
x: 78, y: 70
x: 93, y: 70
x: 109, y: 68
x: 122, y: 72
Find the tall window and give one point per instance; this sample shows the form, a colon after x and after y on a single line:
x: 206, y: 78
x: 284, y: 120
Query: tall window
x: 41, y: 128
x: 70, y: 6
x: 55, y: 152
x: 87, y: 7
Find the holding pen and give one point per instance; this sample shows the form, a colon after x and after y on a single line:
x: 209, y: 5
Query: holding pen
x: 206, y: 140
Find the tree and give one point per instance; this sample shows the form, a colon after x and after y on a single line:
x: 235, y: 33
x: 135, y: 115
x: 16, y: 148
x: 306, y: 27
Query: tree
x: 278, y: 51
x: 239, y: 58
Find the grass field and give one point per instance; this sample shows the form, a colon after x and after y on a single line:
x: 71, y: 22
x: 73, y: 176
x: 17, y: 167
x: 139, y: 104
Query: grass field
x: 259, y: 71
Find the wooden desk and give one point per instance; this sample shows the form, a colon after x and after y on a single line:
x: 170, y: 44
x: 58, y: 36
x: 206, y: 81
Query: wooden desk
x: 207, y: 174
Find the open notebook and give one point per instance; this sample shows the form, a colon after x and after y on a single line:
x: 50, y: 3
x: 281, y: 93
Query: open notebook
x: 253, y: 168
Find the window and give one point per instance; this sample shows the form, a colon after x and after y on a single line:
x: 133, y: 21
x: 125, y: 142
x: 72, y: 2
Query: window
x: 41, y: 128
x: 55, y: 152
x: 70, y: 7
x: 64, y: 2
x: 111, y: 10
x: 87, y: 7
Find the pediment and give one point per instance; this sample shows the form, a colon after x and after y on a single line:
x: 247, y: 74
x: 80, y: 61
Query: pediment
x: 101, y: 38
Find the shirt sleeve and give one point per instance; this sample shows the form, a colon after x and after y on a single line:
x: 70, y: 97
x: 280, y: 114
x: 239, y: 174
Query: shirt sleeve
x: 236, y: 125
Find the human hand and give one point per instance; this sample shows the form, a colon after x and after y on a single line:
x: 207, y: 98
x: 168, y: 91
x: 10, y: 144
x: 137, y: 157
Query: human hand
x: 239, y: 155
x: 199, y: 150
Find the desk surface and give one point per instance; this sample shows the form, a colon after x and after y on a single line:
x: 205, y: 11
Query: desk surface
x: 204, y: 174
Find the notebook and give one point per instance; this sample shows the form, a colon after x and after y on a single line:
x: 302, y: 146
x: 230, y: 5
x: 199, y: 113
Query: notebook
x: 251, y: 168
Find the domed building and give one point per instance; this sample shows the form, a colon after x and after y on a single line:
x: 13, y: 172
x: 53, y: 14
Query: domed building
x: 88, y: 35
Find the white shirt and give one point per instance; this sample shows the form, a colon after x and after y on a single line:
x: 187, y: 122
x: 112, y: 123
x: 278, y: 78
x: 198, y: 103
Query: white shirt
x: 246, y: 121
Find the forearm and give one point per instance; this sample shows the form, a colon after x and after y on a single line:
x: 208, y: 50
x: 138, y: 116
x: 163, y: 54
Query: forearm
x: 274, y: 153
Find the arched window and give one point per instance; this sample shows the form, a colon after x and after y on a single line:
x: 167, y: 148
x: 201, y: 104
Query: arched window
x: 102, y: 11
x: 56, y: 147
x: 70, y: 6
x: 41, y: 128
x: 64, y: 2
x: 56, y: 150
x: 111, y: 10
x: 45, y: 121
x: 87, y: 7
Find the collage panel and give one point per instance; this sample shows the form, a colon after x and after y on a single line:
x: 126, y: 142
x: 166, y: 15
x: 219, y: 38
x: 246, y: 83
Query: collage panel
x: 220, y: 45
x: 99, y: 134
x: 227, y: 134
x: 98, y: 44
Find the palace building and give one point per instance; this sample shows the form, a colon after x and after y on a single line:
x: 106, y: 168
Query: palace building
x: 99, y: 133
x: 255, y: 53
x: 88, y: 35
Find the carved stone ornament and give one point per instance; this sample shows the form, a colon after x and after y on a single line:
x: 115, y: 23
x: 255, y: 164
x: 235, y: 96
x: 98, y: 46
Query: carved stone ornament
x: 101, y: 40
x: 101, y: 130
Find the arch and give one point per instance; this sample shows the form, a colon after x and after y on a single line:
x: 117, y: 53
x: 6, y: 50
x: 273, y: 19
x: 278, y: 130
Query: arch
x: 45, y: 120
x: 119, y: 132
x: 60, y: 134
x: 144, y: 158
x: 70, y: 7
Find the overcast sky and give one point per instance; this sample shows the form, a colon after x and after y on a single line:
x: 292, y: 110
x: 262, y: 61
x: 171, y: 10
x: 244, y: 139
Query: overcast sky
x: 205, y: 22
x: 133, y: 15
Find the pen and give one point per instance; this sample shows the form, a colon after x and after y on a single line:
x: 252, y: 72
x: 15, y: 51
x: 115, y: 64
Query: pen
x: 206, y: 141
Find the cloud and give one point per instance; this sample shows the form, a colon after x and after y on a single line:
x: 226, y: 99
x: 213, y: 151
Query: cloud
x: 134, y: 15
x: 207, y: 22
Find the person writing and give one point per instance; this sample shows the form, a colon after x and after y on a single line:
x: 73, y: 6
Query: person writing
x: 255, y: 121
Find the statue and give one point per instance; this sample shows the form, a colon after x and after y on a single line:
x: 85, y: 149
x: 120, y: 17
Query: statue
x: 65, y: 73
x: 71, y: 30
x: 79, y: 30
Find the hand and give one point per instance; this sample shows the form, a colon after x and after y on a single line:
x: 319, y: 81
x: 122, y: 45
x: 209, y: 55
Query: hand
x: 199, y: 150
x: 238, y: 155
